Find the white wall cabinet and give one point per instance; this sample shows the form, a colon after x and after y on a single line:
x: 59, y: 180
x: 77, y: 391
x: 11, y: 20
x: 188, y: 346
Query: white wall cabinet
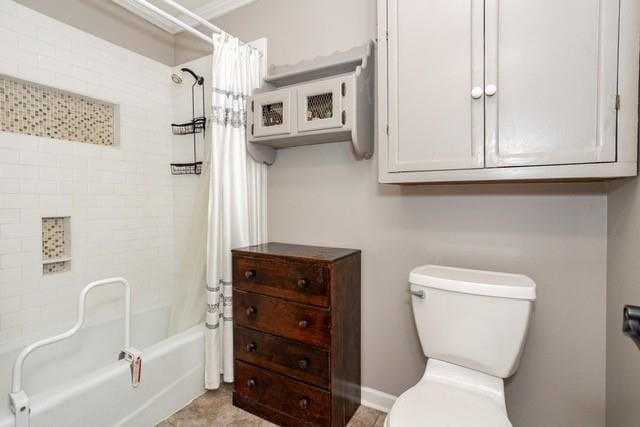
x: 311, y: 113
x: 327, y: 99
x: 482, y: 90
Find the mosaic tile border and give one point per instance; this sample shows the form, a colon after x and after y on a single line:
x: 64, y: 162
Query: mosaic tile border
x: 33, y: 109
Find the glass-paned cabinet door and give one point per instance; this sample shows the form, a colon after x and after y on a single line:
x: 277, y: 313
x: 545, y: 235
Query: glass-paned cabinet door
x: 272, y: 113
x: 320, y: 105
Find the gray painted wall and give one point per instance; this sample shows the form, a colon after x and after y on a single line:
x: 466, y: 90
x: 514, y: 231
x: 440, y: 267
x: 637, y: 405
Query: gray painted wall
x: 556, y: 233
x: 108, y: 21
x: 623, y: 287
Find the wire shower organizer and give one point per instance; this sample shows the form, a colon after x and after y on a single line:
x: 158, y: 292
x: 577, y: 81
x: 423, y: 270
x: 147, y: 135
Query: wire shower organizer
x: 195, y: 126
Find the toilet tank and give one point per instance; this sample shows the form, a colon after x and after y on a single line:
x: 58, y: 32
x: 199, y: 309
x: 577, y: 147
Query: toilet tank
x: 476, y: 319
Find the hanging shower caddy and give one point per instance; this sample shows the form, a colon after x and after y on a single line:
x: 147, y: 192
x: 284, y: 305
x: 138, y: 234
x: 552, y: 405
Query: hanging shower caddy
x: 195, y: 126
x: 327, y: 99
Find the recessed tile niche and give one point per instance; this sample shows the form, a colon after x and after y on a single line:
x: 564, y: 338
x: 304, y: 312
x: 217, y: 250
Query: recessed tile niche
x: 55, y: 245
x: 37, y: 110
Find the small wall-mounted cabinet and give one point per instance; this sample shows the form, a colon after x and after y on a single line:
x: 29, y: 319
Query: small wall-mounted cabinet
x: 330, y: 99
x: 301, y: 110
x: 525, y: 90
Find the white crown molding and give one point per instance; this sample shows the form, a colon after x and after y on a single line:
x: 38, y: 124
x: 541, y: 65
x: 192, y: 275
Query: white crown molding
x: 145, y: 13
x: 214, y: 9
x: 208, y: 11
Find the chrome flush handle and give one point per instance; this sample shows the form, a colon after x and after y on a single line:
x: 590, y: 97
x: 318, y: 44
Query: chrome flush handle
x: 419, y: 294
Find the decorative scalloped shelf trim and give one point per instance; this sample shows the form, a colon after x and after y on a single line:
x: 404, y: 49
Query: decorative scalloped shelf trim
x: 332, y: 65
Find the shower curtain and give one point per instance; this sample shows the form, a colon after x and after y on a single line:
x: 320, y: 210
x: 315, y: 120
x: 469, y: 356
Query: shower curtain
x: 237, y: 195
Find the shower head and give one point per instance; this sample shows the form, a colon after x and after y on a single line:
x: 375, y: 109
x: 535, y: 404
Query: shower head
x: 177, y: 78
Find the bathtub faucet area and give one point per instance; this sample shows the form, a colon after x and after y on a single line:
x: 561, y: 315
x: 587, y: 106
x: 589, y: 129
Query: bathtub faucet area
x: 18, y: 398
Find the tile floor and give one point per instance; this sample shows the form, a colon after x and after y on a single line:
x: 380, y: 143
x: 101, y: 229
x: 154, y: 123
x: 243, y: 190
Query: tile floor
x: 200, y: 414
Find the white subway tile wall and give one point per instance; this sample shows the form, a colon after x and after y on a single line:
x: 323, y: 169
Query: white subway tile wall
x: 120, y: 198
x: 189, y: 191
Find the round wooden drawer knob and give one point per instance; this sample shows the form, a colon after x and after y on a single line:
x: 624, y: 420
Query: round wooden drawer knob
x: 249, y: 274
x: 251, y: 311
x: 251, y: 347
x: 302, y: 283
x: 252, y: 383
x: 303, y: 363
x: 304, y: 403
x: 303, y: 324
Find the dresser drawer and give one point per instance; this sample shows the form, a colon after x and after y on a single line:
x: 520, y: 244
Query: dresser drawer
x: 299, y: 400
x: 303, y: 323
x: 284, y: 356
x: 304, y: 283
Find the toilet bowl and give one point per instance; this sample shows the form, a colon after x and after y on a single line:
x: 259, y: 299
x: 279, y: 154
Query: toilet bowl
x: 472, y: 326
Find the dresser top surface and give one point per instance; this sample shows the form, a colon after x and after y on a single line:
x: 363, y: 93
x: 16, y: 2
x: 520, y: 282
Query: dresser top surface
x: 314, y: 253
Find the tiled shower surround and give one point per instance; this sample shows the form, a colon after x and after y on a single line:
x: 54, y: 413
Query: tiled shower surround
x: 32, y: 109
x: 119, y: 197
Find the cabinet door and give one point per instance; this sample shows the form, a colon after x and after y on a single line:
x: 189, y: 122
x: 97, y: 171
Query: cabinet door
x: 272, y: 113
x: 551, y: 77
x: 320, y: 105
x: 435, y: 60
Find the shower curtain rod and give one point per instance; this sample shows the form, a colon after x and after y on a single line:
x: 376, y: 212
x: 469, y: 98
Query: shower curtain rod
x: 173, y: 19
x: 181, y: 24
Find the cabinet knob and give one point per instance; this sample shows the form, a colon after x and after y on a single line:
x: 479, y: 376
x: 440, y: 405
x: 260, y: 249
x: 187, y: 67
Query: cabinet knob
x: 249, y: 274
x: 490, y: 90
x: 251, y: 383
x: 476, y: 92
x: 303, y: 324
x: 251, y: 311
x: 251, y: 347
x: 303, y: 363
x: 302, y: 283
x: 304, y: 403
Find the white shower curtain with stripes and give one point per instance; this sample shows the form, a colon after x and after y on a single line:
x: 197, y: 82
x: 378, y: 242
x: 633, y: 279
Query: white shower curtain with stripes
x: 237, y: 195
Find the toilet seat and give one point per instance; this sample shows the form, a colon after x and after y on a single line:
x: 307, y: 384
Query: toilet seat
x: 444, y: 401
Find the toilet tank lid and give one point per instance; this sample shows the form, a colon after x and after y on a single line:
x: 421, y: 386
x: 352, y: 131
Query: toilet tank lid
x: 476, y: 282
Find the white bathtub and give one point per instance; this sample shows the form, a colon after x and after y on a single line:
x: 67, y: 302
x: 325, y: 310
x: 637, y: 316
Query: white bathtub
x: 80, y: 382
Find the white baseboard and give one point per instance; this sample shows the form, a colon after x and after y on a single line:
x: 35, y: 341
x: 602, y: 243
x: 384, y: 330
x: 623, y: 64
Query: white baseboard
x: 377, y: 399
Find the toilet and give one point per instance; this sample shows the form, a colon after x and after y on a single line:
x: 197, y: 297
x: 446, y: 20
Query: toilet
x: 472, y: 326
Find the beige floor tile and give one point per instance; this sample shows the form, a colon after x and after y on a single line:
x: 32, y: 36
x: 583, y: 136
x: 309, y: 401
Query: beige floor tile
x: 380, y: 420
x: 364, y: 417
x: 215, y: 409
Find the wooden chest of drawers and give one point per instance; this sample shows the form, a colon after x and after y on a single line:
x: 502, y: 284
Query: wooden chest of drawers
x: 297, y: 333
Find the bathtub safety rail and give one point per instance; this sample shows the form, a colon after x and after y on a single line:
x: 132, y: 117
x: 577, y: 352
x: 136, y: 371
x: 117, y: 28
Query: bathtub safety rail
x: 19, y: 400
